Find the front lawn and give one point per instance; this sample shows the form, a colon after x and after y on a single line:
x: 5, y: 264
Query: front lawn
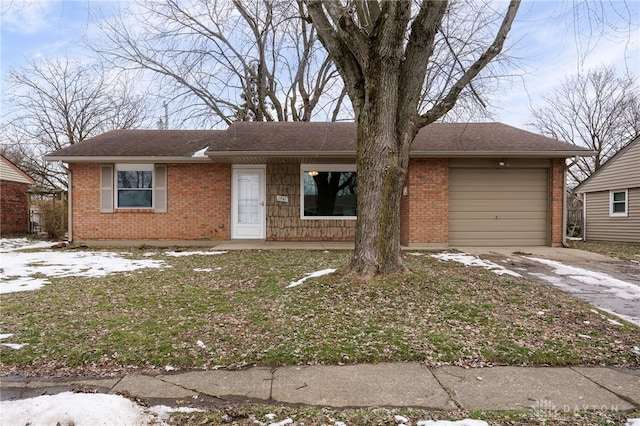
x: 234, y: 309
x: 625, y: 251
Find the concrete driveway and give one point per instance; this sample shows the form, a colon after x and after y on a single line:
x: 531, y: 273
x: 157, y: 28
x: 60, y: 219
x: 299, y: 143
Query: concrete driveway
x: 609, y: 283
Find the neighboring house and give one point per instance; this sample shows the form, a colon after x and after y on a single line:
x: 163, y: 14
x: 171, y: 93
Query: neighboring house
x: 611, y: 198
x: 14, y: 198
x: 468, y: 184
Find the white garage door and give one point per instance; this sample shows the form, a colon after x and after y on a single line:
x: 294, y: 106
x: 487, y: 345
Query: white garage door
x: 498, y: 207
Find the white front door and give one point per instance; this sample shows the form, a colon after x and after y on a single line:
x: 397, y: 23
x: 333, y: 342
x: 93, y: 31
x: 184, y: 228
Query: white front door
x: 248, y: 202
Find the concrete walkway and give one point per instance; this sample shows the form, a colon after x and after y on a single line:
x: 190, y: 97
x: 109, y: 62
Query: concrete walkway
x: 367, y: 385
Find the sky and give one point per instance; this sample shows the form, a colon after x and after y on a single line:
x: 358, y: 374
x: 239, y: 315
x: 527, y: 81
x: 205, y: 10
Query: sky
x: 550, y: 41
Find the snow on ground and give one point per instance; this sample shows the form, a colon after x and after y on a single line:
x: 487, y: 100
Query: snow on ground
x: 311, y: 275
x: 192, y: 253
x: 603, y: 282
x: 23, y: 270
x: 96, y: 409
x: 470, y: 260
x: 80, y: 409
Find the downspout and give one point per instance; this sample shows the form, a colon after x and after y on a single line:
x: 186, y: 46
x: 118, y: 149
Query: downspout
x: 584, y: 216
x: 565, y: 213
x: 69, y: 205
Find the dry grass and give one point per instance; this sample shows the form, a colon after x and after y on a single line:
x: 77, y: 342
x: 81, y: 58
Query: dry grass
x: 625, y: 251
x: 440, y: 313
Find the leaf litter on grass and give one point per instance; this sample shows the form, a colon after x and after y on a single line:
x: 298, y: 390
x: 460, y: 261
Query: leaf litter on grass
x: 243, y: 314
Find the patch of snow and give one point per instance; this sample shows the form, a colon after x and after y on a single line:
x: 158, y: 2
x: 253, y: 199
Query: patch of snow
x: 470, y: 260
x: 202, y: 269
x: 5, y: 336
x: 19, y: 268
x: 636, y: 350
x: 416, y: 253
x: 311, y: 275
x: 12, y: 244
x: 192, y: 253
x: 633, y: 422
x: 169, y: 368
x: 74, y: 408
x: 201, y: 152
x: 164, y: 412
x: 282, y: 423
x: 585, y: 336
x: 400, y: 419
x: 465, y: 422
x: 201, y: 344
x: 604, y: 282
x: 15, y: 346
x: 338, y: 423
x: 270, y: 416
x: 614, y: 322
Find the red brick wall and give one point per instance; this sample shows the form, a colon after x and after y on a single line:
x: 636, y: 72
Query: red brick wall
x: 424, y: 211
x: 14, y: 205
x: 557, y: 199
x: 198, y: 207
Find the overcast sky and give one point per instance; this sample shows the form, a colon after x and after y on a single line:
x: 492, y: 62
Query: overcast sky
x: 550, y: 42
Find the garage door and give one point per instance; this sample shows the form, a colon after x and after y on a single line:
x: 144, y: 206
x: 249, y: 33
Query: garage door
x: 498, y: 207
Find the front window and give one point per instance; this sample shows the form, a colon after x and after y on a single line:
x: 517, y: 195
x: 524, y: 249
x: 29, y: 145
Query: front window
x: 134, y: 184
x: 328, y: 191
x: 618, y: 203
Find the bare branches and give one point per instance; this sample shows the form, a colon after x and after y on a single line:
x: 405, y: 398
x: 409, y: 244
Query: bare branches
x: 59, y: 103
x: 227, y: 60
x: 598, y: 110
x: 442, y: 106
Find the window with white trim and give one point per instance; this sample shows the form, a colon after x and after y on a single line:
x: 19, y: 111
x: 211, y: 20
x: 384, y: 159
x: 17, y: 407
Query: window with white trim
x: 618, y: 201
x: 133, y: 186
x: 328, y: 191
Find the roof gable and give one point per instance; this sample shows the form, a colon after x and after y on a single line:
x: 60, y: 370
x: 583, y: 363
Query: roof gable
x: 618, y: 172
x: 12, y: 173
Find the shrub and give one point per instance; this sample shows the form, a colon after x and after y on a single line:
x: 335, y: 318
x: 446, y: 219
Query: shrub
x: 53, y: 218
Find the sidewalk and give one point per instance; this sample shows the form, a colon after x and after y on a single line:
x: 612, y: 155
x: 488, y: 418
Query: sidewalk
x: 367, y: 385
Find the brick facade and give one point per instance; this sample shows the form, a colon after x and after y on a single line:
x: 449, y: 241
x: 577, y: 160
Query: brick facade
x: 198, y: 206
x: 424, y: 210
x: 14, y: 205
x: 557, y: 200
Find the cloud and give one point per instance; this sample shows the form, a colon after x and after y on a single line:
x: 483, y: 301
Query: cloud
x: 26, y: 16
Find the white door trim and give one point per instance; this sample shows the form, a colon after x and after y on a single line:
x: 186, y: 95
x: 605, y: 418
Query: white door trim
x: 254, y: 231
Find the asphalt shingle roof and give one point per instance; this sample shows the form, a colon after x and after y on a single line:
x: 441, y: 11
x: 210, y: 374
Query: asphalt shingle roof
x: 307, y: 138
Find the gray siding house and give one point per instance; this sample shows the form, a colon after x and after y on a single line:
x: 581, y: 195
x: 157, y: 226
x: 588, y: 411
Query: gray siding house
x: 611, y: 198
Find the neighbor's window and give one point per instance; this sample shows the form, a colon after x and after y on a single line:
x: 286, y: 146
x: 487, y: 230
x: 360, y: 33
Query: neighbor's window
x: 134, y: 183
x: 618, y: 203
x: 328, y: 191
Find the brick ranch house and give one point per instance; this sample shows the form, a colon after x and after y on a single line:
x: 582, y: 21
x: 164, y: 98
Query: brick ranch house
x: 14, y: 198
x: 469, y: 184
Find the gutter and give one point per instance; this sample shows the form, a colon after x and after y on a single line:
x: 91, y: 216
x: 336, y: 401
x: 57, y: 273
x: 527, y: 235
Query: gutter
x: 127, y: 159
x: 413, y: 154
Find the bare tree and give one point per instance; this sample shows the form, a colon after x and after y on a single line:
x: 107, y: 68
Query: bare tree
x: 223, y: 61
x: 599, y: 110
x: 392, y: 56
x: 58, y: 103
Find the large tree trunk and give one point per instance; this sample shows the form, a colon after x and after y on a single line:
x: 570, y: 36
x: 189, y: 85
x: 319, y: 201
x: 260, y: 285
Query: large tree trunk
x: 384, y: 141
x: 383, y: 50
x: 382, y: 169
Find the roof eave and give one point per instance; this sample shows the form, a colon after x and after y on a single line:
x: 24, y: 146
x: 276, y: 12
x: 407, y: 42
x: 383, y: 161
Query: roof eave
x: 493, y: 154
x: 126, y: 159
